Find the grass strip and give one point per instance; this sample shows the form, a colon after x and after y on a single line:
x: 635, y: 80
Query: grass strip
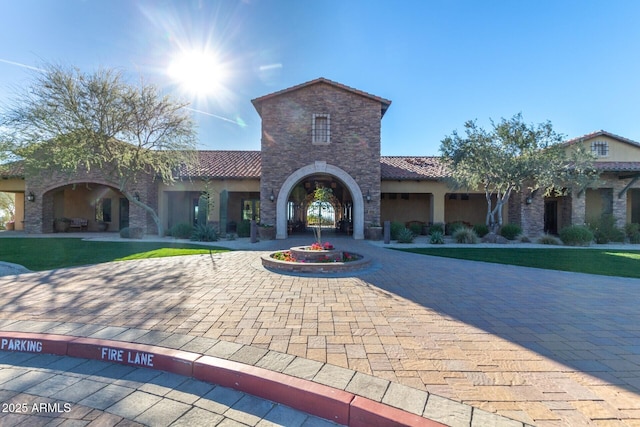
x: 607, y: 262
x: 48, y: 253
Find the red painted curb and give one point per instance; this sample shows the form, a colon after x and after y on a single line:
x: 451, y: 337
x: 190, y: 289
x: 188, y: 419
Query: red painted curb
x: 368, y: 413
x: 313, y: 398
x: 307, y: 396
x: 35, y: 343
x: 145, y: 356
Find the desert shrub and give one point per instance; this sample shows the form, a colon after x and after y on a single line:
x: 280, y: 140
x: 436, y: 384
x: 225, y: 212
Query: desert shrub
x: 244, y: 228
x: 436, y: 238
x: 465, y: 235
x: 405, y: 236
x: 481, y: 230
x: 131, y: 233
x: 548, y: 239
x: 181, y: 230
x: 204, y: 233
x: 415, y: 228
x: 436, y: 228
x: 510, y: 231
x: 632, y: 231
x: 604, y: 230
x: 396, y: 228
x: 451, y: 228
x: 576, y: 235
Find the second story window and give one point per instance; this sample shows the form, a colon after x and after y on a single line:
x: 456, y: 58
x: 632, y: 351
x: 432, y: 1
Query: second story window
x: 321, y: 129
x: 600, y: 148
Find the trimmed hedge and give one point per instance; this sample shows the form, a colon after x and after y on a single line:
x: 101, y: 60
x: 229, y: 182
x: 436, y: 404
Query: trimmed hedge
x: 181, y: 231
x: 131, y: 233
x: 481, y: 230
x: 576, y: 235
x: 510, y: 231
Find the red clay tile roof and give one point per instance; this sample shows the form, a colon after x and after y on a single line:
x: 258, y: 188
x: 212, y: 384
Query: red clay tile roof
x: 225, y: 164
x: 246, y: 164
x: 618, y: 166
x: 12, y: 170
x: 385, y: 102
x: 413, y: 168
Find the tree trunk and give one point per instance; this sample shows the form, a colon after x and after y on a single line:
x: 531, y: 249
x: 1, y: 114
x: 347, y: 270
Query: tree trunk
x: 149, y: 210
x: 489, y: 219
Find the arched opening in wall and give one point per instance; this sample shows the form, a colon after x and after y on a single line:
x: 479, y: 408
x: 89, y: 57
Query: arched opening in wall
x: 84, y: 206
x: 334, y: 215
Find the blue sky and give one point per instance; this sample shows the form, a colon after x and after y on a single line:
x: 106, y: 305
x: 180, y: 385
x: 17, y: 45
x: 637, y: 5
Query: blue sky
x: 575, y: 63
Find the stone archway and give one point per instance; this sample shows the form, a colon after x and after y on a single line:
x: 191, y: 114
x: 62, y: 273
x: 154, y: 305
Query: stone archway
x: 322, y: 168
x: 95, y: 203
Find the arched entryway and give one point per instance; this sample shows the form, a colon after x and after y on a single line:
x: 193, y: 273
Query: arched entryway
x: 320, y: 169
x: 91, y: 205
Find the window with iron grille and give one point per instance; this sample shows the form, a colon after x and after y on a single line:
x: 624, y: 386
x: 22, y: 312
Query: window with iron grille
x: 600, y: 148
x: 321, y: 129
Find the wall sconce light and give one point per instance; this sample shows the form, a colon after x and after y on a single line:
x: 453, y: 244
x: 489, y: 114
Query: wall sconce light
x: 528, y: 200
x: 136, y: 196
x: 272, y: 197
x: 31, y: 197
x: 368, y: 196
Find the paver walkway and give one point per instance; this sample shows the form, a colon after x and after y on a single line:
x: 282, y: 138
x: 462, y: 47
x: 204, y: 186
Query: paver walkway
x: 543, y: 347
x: 64, y: 391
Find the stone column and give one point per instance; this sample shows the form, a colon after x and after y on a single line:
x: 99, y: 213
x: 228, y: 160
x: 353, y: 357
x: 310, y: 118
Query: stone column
x: 578, y: 208
x: 532, y: 214
x: 620, y: 202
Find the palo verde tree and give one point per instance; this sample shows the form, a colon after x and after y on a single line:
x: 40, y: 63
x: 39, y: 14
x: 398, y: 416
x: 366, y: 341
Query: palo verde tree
x: 514, y: 156
x: 67, y: 121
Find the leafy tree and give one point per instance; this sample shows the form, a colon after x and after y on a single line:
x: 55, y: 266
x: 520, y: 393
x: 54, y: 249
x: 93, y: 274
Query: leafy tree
x: 514, y: 156
x: 321, y: 195
x: 68, y: 121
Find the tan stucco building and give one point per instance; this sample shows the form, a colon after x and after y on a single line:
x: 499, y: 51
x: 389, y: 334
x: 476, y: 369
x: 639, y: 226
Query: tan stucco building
x: 322, y: 133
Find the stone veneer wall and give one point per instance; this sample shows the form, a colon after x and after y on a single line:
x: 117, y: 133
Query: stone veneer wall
x: 619, y: 203
x: 287, y: 146
x: 529, y: 216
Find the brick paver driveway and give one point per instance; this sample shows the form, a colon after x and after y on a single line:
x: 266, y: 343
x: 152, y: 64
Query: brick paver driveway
x: 543, y: 347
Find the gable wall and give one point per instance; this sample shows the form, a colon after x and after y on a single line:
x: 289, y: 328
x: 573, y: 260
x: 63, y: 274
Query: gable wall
x: 287, y: 140
x: 618, y: 151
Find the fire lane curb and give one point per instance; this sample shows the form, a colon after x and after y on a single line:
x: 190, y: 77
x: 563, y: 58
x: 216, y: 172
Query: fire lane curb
x: 316, y: 399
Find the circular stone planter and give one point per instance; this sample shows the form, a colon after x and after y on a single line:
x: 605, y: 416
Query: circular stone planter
x: 306, y: 254
x: 314, y: 267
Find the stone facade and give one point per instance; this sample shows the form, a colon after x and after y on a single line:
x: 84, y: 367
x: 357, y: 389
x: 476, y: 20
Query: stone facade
x: 287, y: 141
x: 40, y: 215
x: 347, y: 157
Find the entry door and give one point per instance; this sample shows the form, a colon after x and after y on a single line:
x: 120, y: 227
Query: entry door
x: 124, y: 212
x: 551, y: 216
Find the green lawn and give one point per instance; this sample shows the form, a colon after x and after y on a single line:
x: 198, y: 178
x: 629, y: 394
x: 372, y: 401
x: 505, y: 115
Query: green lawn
x: 45, y: 254
x: 623, y: 263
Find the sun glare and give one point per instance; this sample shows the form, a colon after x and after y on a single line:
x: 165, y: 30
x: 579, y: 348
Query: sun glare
x: 197, y: 72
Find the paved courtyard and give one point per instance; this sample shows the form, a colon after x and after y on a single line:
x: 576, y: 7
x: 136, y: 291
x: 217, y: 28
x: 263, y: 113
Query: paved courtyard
x: 542, y: 347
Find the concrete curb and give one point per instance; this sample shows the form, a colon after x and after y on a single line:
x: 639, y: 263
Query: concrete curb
x: 317, y: 399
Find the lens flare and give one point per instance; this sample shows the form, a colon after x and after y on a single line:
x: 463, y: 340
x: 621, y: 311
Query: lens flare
x: 200, y: 73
